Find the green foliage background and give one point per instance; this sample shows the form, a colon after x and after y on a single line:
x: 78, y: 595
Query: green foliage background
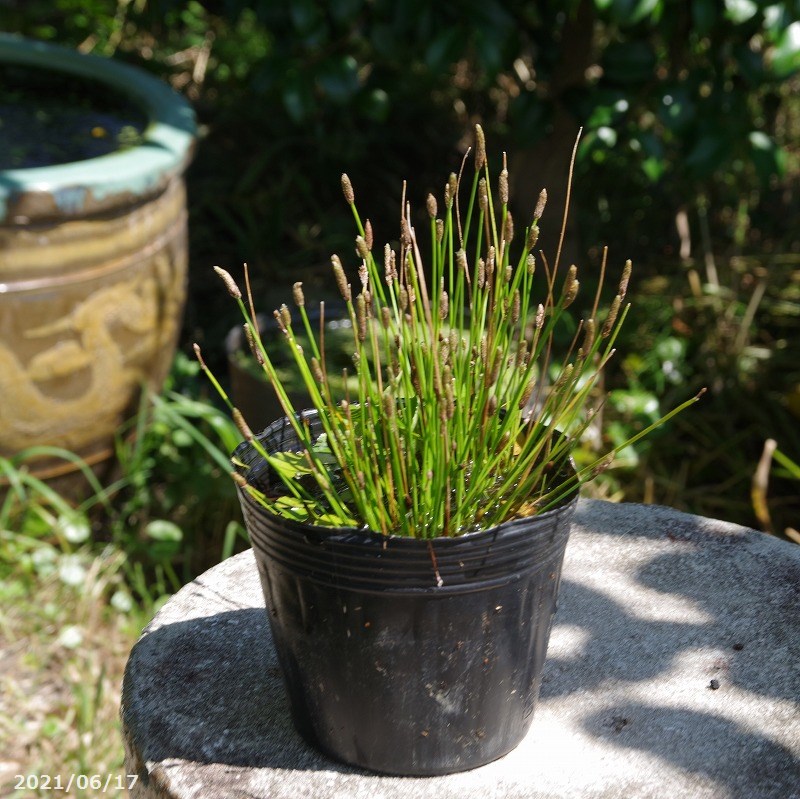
x: 688, y: 163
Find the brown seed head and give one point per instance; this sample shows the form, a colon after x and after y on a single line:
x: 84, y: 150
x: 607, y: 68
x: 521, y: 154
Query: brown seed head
x: 199, y: 355
x: 253, y: 344
x: 444, y: 305
x: 444, y: 349
x: 490, y: 263
x: 540, y: 204
x: 405, y: 233
x: 439, y: 230
x: 368, y: 237
x: 341, y: 280
x: 527, y: 394
x: 588, y: 335
x: 533, y: 236
x: 503, y: 187
x: 363, y: 276
x: 432, y: 207
x: 626, y: 276
x: 530, y: 263
x: 515, y: 307
x: 483, y: 196
x: 347, y: 190
x: 571, y: 286
x: 449, y: 392
x: 564, y: 377
x: 480, y: 148
x: 522, y: 353
x: 450, y: 189
x: 241, y: 424
x: 613, y: 311
x: 229, y: 282
x: 279, y: 320
x: 390, y: 264
x: 508, y: 228
x: 316, y: 370
x: 539, y: 321
x: 389, y: 405
x: 497, y: 362
x: 361, y: 316
x: 361, y: 248
x: 461, y: 260
x: 452, y: 183
x: 297, y: 291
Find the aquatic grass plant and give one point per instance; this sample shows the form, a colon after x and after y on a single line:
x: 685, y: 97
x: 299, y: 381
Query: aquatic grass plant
x: 467, y: 409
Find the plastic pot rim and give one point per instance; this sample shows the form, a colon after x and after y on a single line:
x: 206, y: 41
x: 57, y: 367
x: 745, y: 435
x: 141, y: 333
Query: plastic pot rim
x: 344, y: 532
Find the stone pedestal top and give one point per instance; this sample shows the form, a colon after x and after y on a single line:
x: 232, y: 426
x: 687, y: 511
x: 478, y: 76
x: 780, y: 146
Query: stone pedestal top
x: 673, y: 671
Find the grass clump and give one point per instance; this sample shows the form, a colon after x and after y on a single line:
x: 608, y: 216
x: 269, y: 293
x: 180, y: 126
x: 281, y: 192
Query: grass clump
x: 474, y: 380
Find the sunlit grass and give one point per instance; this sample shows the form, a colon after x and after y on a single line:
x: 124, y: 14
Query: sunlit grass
x: 67, y: 624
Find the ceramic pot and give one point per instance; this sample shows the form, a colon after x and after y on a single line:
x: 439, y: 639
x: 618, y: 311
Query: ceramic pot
x: 93, y: 261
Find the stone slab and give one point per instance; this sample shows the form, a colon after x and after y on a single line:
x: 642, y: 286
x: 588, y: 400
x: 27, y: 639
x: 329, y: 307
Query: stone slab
x: 655, y: 605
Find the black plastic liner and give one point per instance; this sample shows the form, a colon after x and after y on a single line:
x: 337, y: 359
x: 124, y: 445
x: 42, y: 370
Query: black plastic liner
x: 386, y: 668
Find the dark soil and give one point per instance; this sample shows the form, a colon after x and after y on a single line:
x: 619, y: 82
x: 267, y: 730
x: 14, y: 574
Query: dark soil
x: 47, y: 118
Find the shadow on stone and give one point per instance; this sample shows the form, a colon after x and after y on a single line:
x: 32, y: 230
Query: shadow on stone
x: 209, y: 690
x: 735, y: 759
x: 742, y: 602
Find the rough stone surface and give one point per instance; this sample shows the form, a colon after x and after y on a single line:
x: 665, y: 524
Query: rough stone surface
x: 655, y: 605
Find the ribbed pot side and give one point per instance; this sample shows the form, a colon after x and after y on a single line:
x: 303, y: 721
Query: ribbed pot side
x: 93, y: 267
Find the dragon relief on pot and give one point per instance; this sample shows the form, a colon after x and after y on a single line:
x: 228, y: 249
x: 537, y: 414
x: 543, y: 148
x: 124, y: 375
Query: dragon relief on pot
x: 92, y: 363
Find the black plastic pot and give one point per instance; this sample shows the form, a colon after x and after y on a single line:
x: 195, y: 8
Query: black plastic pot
x: 385, y: 668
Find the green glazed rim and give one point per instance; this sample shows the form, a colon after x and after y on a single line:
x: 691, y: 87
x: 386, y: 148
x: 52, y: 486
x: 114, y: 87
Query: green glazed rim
x: 96, y: 184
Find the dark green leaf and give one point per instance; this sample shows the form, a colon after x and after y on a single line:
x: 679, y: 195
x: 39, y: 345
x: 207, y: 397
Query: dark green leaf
x: 626, y: 13
x: 374, y: 105
x: 338, y: 79
x: 704, y: 16
x: 443, y: 49
x: 769, y: 160
x: 298, y: 99
x: 652, y: 146
x: 163, y: 530
x: 708, y: 153
x: 785, y: 56
x: 530, y: 117
x: 345, y: 10
x: 646, y: 8
x: 750, y: 63
x: 490, y: 52
x: 678, y: 109
x: 739, y: 11
x: 653, y: 168
x: 631, y: 62
x: 305, y: 15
